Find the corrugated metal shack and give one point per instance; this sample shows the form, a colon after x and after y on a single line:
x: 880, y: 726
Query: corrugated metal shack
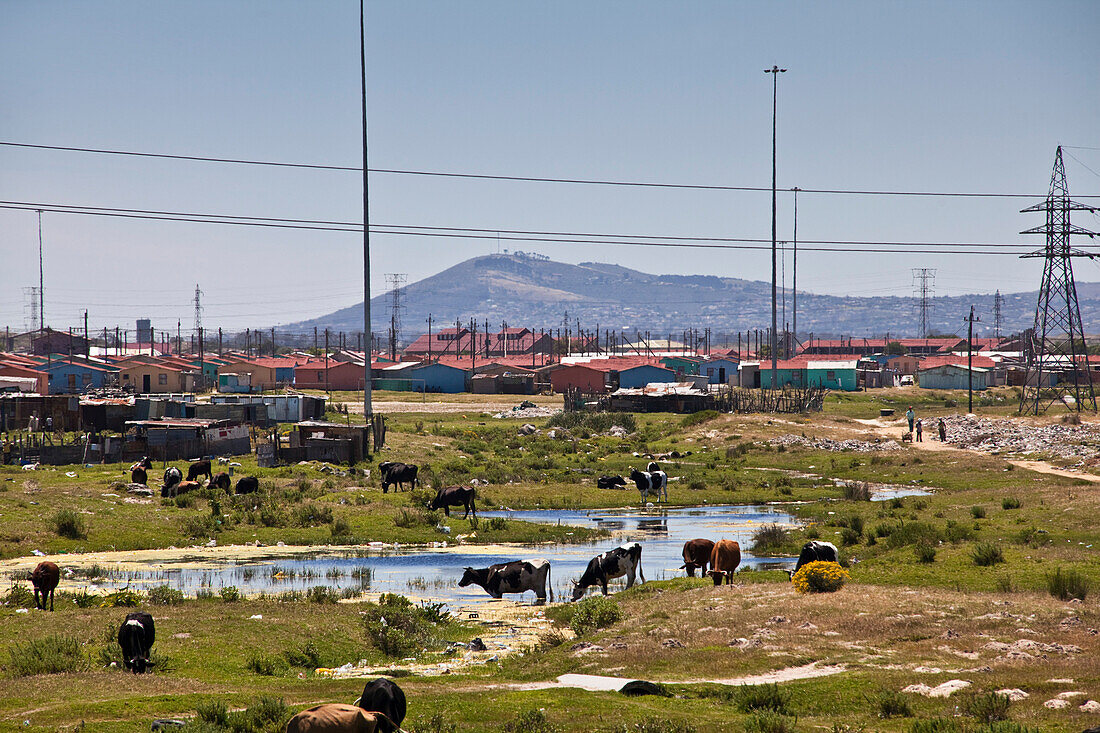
x: 280, y: 408
x: 332, y: 442
x: 178, y: 438
x: 682, y: 397
x: 16, y: 411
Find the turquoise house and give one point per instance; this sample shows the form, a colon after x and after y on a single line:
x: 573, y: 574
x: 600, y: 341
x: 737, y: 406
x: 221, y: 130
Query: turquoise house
x: 836, y: 375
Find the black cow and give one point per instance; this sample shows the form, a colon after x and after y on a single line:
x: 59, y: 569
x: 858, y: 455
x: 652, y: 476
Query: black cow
x: 222, y: 481
x: 815, y: 551
x: 172, y: 476
x: 394, y: 473
x: 450, y: 496
x: 610, y: 565
x: 610, y: 482
x: 199, y: 468
x: 136, y: 636
x: 511, y: 577
x: 247, y: 485
x: 146, y: 462
x: 647, y: 481
x: 138, y: 475
x: 44, y: 579
x: 384, y: 696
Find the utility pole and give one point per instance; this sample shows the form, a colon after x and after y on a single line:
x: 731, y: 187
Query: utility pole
x: 87, y: 344
x: 326, y: 360
x: 775, y: 71
x: 273, y: 341
x: 970, y: 360
x: 219, y: 341
x: 202, y: 372
x: 41, y: 280
x: 794, y: 275
x: 367, y: 409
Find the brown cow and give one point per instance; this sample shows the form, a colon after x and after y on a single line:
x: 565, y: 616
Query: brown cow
x: 339, y: 718
x: 44, y: 579
x: 724, y: 560
x: 697, y: 555
x: 181, y: 488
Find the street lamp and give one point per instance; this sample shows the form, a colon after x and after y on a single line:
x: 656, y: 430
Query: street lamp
x: 775, y: 71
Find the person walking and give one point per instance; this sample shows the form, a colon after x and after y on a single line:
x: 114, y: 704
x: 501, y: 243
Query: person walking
x: 910, y: 416
x: 920, y: 432
x: 943, y: 431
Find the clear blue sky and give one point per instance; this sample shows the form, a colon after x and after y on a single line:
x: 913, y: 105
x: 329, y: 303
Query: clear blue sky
x: 941, y: 96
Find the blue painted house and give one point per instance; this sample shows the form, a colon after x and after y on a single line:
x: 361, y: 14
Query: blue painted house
x: 643, y: 374
x: 720, y: 371
x: 73, y: 376
x: 437, y: 378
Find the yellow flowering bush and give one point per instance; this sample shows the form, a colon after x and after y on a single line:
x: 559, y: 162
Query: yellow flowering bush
x: 820, y: 577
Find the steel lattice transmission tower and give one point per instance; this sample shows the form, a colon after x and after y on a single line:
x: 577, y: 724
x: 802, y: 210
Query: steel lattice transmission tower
x: 924, y: 290
x: 1057, y: 340
x: 397, y: 281
x: 198, y: 310
x: 998, y: 316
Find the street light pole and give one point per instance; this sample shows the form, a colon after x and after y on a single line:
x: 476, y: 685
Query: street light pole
x: 775, y: 71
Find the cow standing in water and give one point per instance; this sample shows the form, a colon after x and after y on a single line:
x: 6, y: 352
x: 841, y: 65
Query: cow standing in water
x: 650, y: 481
x: 696, y: 555
x: 609, y: 565
x: 44, y: 579
x: 517, y: 576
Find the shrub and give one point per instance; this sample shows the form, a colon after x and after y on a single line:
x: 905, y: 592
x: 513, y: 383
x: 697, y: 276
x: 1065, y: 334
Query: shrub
x: 988, y: 708
x: 407, y: 518
x: 397, y: 626
x: 925, y: 552
x: 769, y: 722
x: 1004, y: 584
x: 986, y: 554
x: 184, y: 501
x: 230, y: 594
x: 751, y: 698
x: 322, y: 594
x: 530, y: 721
x: 593, y: 613
x: 698, y: 418
x: 268, y: 665
x: 124, y: 598
x: 769, y: 537
x: 913, y: 533
x: 1068, y: 584
x: 497, y: 523
x: 307, y: 656
x: 310, y: 515
x: 1010, y: 502
x: 655, y: 725
x: 857, y: 491
x: 48, y: 655
x: 891, y: 704
x: 435, y: 724
x: 849, y: 536
x: 19, y: 596
x: 67, y: 523
x: 820, y: 577
x: 164, y: 595
x: 978, y: 512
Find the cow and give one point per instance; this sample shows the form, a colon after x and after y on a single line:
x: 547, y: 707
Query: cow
x: 181, y: 488
x: 610, y: 482
x: 138, y: 475
x: 724, y: 559
x: 609, y: 565
x: 450, y: 496
x: 199, y: 468
x: 339, y: 718
x: 44, y: 579
x: 647, y: 481
x: 172, y: 476
x: 247, y: 485
x: 815, y: 551
x: 136, y: 636
x: 146, y: 462
x: 697, y: 555
x: 221, y: 480
x: 652, y: 467
x: 511, y: 577
x: 398, y: 474
x: 384, y: 696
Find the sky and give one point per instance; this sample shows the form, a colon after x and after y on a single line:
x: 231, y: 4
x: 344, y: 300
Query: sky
x: 931, y: 96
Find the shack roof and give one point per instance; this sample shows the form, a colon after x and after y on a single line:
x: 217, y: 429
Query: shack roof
x: 661, y: 389
x: 180, y: 422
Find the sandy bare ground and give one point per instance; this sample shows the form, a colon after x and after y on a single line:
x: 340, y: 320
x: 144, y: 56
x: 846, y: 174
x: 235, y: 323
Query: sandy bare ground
x: 896, y: 428
x: 602, y: 683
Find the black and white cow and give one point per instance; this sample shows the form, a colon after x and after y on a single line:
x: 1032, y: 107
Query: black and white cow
x: 815, y: 551
x: 136, y: 636
x: 172, y: 476
x: 450, y: 496
x: 653, y: 466
x: 398, y: 474
x: 609, y: 565
x: 650, y: 481
x: 511, y: 577
x: 385, y: 697
x: 610, y: 482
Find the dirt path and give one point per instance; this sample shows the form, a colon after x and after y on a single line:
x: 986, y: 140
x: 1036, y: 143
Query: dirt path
x: 601, y: 683
x: 896, y: 428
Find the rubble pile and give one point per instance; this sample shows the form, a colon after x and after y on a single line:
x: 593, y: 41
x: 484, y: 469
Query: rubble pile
x: 1000, y: 436
x: 527, y: 413
x: 848, y: 446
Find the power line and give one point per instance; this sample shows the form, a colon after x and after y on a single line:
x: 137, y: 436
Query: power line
x: 526, y: 179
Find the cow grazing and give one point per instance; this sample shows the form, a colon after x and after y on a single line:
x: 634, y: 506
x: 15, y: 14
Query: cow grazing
x: 136, y: 636
x: 610, y: 482
x: 398, y: 474
x: 44, y: 579
x: 222, y: 480
x: 653, y: 467
x: 199, y: 468
x: 650, y: 481
x: 697, y: 555
x: 146, y: 462
x: 724, y: 559
x: 450, y: 496
x: 138, y: 475
x: 339, y: 718
x: 511, y: 577
x: 172, y: 476
x: 815, y: 551
x: 610, y: 565
x: 384, y: 696
x: 181, y: 488
x: 247, y: 485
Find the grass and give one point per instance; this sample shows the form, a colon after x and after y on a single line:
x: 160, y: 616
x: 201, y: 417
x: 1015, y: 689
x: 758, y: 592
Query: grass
x: 48, y: 655
x: 1068, y: 584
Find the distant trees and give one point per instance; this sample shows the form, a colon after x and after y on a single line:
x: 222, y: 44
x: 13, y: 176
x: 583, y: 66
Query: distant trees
x: 895, y: 348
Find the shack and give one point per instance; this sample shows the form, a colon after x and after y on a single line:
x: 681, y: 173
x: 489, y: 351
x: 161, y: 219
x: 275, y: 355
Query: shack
x: 681, y: 397
x: 280, y: 408
x: 952, y: 376
x: 171, y: 439
x: 332, y: 442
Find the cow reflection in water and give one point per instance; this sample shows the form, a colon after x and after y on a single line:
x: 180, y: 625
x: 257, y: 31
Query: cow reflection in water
x: 653, y: 525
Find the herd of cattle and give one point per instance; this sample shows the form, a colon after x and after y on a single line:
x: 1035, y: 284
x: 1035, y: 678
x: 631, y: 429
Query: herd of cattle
x: 175, y: 484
